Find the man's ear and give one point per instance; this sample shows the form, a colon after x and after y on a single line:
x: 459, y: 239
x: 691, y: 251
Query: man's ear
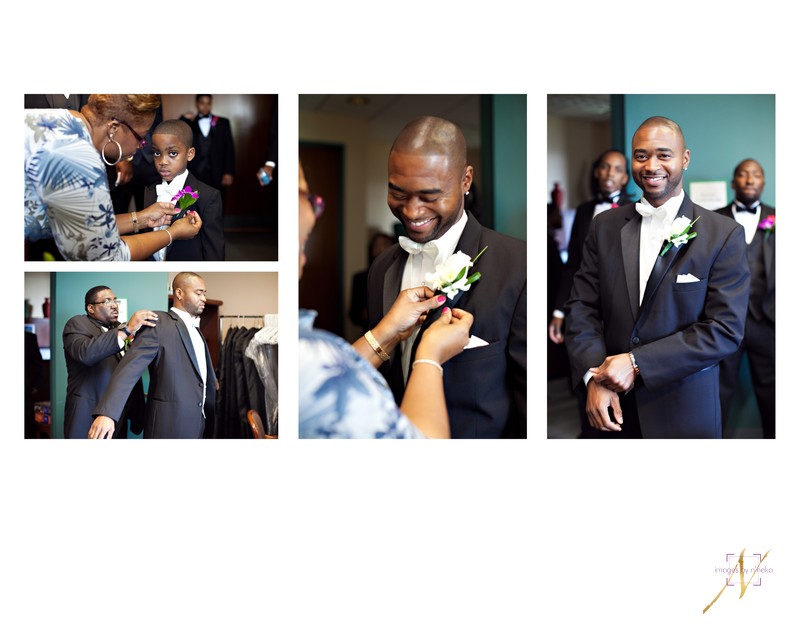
x: 190, y: 154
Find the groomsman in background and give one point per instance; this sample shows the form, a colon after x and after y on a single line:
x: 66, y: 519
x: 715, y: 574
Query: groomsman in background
x: 215, y: 160
x: 758, y: 221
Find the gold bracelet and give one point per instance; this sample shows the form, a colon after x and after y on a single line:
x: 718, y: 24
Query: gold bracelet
x: 429, y: 361
x: 135, y: 222
x: 375, y: 346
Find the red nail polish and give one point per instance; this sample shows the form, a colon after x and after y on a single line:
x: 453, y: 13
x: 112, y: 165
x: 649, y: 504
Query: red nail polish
x: 446, y: 309
x: 440, y: 299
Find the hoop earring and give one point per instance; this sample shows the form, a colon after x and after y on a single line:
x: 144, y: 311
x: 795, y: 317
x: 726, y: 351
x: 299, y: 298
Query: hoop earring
x: 103, y: 151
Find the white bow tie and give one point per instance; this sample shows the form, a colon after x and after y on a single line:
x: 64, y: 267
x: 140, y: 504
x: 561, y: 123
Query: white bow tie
x: 165, y: 189
x: 412, y: 247
x: 646, y: 210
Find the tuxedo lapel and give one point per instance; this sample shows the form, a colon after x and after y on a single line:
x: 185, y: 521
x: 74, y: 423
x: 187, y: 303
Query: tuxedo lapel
x: 629, y: 237
x: 393, y: 278
x: 187, y: 342
x: 767, y: 244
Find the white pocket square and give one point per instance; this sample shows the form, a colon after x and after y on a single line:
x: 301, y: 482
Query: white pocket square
x: 475, y: 341
x: 687, y: 278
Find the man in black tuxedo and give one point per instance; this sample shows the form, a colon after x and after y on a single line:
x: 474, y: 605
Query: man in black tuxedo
x: 759, y: 331
x: 609, y: 179
x: 428, y: 180
x: 182, y: 389
x: 651, y: 314
x: 214, y: 161
x: 94, y: 344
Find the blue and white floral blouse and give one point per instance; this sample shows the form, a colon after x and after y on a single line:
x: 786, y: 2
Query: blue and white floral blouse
x: 341, y: 393
x: 66, y: 189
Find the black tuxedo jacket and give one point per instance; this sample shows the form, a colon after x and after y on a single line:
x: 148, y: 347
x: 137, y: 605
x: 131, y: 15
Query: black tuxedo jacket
x: 92, y: 355
x: 762, y: 283
x: 680, y: 332
x: 175, y: 396
x: 577, y: 237
x: 211, y: 164
x: 209, y: 243
x: 484, y: 386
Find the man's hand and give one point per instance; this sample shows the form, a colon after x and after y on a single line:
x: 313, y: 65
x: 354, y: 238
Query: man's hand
x: 555, y: 332
x: 103, y: 427
x: 598, y: 400
x: 124, y: 172
x: 615, y: 373
x: 140, y: 319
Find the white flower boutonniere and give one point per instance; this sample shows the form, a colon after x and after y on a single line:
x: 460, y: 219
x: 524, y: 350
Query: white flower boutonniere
x: 679, y: 233
x: 451, y: 277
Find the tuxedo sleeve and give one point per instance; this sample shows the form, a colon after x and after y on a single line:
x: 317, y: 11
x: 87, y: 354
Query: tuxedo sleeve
x: 89, y: 349
x: 127, y: 374
x: 212, y: 235
x: 717, y: 332
x: 584, y: 337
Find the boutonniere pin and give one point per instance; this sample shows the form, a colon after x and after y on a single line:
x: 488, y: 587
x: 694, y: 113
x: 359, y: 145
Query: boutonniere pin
x: 767, y: 224
x: 679, y: 233
x: 185, y: 197
x: 451, y: 277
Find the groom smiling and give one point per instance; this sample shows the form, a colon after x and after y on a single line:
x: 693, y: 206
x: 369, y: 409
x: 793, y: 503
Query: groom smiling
x: 428, y: 180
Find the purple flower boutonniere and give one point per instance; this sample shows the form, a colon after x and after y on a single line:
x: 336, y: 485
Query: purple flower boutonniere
x: 185, y: 197
x: 767, y: 224
x: 214, y: 120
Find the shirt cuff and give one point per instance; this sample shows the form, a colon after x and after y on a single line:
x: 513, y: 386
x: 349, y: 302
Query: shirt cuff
x: 269, y: 163
x: 557, y: 313
x: 589, y: 374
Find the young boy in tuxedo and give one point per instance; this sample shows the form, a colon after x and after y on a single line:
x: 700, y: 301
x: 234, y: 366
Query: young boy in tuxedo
x: 172, y: 150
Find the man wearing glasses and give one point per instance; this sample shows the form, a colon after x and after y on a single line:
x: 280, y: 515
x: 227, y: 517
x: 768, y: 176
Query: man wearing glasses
x: 94, y: 344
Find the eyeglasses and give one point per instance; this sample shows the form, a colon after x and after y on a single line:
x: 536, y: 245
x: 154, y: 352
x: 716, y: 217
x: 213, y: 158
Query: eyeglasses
x: 107, y: 302
x: 317, y: 203
x: 142, y: 142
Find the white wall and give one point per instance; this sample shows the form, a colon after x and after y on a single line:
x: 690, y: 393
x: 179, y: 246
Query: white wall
x: 241, y: 293
x: 572, y: 146
x: 37, y: 287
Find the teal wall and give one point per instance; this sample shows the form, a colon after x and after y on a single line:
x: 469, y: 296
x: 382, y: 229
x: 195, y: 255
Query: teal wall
x: 144, y: 290
x: 509, y: 165
x: 720, y: 130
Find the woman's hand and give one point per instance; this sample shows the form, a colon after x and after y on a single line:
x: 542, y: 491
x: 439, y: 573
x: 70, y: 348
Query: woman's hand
x: 446, y: 337
x: 186, y: 227
x: 158, y: 214
x: 408, y: 310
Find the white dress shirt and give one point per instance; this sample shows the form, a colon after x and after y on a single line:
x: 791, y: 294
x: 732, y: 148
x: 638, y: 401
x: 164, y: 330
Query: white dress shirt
x: 749, y: 221
x: 656, y: 223
x: 164, y: 193
x: 193, y: 323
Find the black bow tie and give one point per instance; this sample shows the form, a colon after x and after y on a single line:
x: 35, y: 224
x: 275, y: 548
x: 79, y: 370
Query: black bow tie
x: 199, y: 116
x: 742, y: 208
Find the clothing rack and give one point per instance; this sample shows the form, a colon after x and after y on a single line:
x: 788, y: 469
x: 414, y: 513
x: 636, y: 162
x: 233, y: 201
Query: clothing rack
x: 243, y: 322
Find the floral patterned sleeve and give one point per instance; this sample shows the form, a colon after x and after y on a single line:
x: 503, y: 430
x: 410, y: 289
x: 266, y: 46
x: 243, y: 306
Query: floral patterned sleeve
x: 66, y: 189
x: 341, y: 395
